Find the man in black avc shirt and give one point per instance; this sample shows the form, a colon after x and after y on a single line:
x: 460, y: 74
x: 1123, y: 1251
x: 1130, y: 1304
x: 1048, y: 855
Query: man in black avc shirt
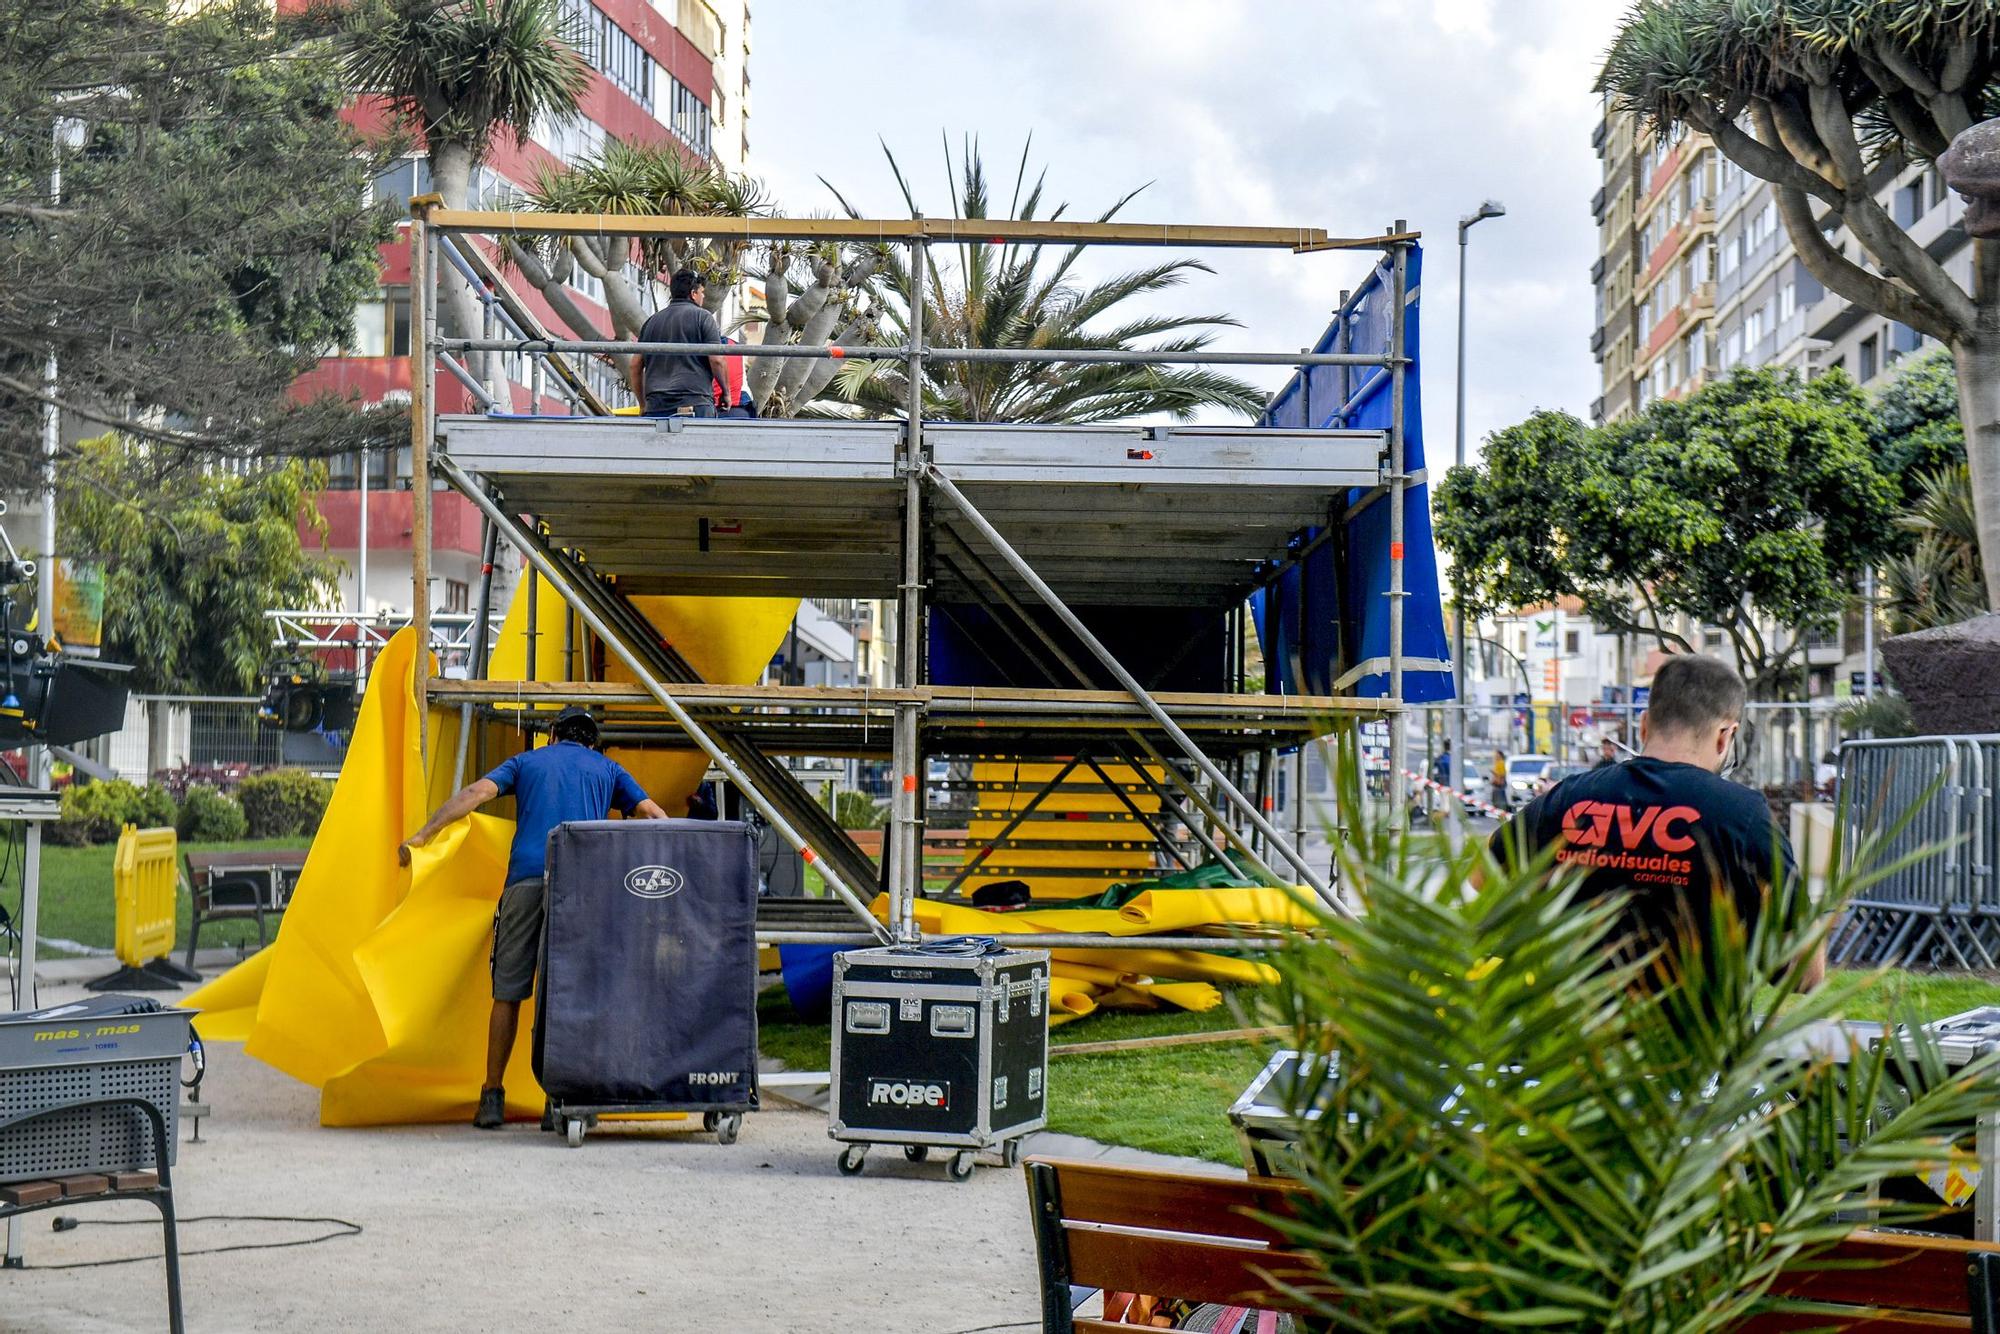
x: 671, y: 384
x: 1665, y: 829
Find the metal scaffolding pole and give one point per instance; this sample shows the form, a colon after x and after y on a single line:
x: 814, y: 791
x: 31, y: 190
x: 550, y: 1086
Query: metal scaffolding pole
x: 843, y: 352
x: 477, y: 667
x: 1059, y: 940
x: 642, y: 672
x: 1131, y: 683
x: 906, y: 853
x: 1160, y: 835
x: 423, y: 410
x: 1398, y: 482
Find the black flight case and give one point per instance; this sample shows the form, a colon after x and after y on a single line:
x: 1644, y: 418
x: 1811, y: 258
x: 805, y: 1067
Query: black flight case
x: 648, y: 999
x: 942, y: 1045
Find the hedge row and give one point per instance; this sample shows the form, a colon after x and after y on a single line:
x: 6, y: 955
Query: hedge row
x: 285, y: 803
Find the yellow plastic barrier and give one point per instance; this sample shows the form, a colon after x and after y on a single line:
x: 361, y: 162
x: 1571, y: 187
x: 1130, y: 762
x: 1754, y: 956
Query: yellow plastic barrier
x: 145, y: 880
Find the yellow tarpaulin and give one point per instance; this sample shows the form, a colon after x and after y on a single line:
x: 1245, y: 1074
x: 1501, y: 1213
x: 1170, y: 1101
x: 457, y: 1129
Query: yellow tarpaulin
x: 1084, y: 980
x: 376, y: 989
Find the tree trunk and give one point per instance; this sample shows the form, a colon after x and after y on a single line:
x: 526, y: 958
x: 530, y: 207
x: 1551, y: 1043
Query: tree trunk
x: 459, y: 312
x: 1977, y: 358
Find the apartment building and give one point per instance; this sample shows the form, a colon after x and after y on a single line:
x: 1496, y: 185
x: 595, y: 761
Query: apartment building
x: 1696, y: 276
x: 671, y: 71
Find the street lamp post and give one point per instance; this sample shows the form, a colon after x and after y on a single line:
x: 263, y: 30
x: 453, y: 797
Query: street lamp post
x: 1489, y: 209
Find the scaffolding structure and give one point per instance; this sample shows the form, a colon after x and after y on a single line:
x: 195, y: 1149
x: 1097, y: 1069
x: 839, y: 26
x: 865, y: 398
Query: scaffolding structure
x: 1033, y: 524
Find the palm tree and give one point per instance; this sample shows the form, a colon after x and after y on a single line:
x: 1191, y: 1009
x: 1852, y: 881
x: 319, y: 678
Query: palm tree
x: 1015, y: 296
x: 813, y: 293
x: 457, y: 72
x: 1939, y: 581
x: 1514, y: 1135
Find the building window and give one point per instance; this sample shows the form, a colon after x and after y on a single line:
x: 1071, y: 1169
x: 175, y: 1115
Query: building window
x: 1711, y: 640
x: 1572, y: 643
x: 1788, y: 301
x: 1937, y: 190
x: 396, y: 184
x: 573, y: 138
x: 1869, y: 358
x: 457, y: 597
x: 1909, y: 203
x: 381, y: 325
x: 1903, y: 340
x: 611, y: 51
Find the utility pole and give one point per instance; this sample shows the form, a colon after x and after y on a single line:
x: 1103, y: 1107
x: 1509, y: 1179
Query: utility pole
x: 1460, y: 677
x: 1868, y: 633
x: 67, y: 133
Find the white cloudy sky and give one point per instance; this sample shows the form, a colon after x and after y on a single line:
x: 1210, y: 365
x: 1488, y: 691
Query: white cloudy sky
x: 1339, y: 114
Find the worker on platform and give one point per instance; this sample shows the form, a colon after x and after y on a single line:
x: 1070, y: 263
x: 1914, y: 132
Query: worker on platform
x: 1665, y: 829
x: 680, y: 384
x: 565, y: 780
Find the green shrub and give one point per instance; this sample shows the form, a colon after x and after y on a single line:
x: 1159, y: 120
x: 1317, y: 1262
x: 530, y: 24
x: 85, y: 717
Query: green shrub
x: 284, y: 803
x: 158, y: 809
x: 857, y: 810
x: 209, y: 816
x: 95, y: 812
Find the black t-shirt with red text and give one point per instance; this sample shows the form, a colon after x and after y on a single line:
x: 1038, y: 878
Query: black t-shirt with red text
x: 1662, y: 833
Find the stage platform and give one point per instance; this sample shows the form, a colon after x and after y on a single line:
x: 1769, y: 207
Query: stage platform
x: 1189, y: 516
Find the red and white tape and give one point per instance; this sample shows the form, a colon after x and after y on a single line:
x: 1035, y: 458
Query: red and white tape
x: 1484, y: 808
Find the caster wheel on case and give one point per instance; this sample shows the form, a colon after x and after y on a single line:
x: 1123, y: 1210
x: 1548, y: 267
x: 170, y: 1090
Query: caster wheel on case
x: 916, y: 1153
x: 710, y: 1120
x: 726, y: 1132
x: 960, y: 1166
x: 573, y: 1129
x: 850, y: 1160
x: 1010, y: 1153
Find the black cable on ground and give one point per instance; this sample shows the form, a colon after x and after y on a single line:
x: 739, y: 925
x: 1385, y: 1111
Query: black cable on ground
x: 64, y: 1223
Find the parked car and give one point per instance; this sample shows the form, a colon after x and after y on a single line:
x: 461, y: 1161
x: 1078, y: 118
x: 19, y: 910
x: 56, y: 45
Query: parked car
x: 1477, y: 781
x: 1524, y: 777
x: 1555, y: 773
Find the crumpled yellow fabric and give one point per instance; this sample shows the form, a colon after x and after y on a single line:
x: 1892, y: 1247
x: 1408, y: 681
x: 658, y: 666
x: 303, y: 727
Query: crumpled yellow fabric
x: 1084, y: 980
x: 1163, y: 911
x: 376, y: 989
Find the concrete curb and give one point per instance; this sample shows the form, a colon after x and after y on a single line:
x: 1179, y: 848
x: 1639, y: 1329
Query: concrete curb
x: 217, y: 960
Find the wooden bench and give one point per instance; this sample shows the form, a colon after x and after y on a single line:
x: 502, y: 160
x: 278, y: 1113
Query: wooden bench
x: 222, y: 885
x: 154, y: 1185
x: 1173, y: 1234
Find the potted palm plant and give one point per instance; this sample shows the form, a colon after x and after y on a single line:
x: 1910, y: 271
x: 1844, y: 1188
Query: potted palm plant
x: 1512, y: 1130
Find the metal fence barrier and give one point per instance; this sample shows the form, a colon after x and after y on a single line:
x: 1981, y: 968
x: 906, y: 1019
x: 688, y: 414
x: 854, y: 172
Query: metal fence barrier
x: 1932, y: 795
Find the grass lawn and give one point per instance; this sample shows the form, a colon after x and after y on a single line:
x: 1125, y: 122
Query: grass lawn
x: 77, y: 901
x: 1173, y: 1099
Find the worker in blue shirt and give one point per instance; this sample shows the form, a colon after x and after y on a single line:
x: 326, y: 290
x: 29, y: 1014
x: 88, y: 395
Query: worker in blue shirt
x: 563, y: 781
